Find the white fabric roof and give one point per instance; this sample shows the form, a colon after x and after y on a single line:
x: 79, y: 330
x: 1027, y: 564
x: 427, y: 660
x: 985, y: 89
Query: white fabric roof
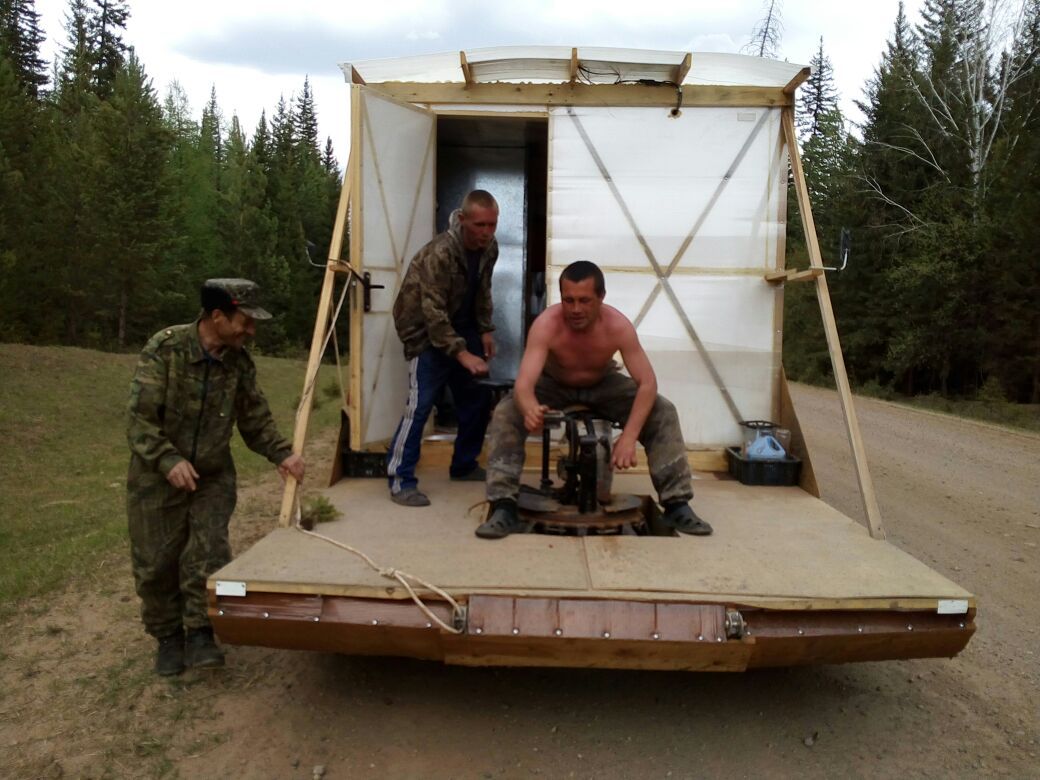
x: 600, y: 65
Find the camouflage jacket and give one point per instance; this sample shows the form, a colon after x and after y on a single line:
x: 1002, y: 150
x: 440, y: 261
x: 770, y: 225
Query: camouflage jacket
x: 433, y: 291
x: 183, y: 406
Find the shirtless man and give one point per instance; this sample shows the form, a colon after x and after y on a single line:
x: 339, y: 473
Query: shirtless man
x: 568, y: 361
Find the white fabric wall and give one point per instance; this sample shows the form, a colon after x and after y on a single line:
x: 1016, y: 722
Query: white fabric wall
x: 668, y: 171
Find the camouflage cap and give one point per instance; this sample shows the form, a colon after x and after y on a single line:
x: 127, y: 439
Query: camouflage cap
x: 241, y: 294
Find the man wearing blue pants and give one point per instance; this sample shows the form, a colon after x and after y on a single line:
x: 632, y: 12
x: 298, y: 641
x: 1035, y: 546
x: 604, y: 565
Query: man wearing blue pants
x: 443, y: 317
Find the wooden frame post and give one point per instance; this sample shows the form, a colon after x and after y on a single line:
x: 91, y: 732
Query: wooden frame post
x: 321, y: 326
x: 859, y: 456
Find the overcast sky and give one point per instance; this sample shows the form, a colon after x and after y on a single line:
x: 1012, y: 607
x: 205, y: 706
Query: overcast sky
x: 254, y: 51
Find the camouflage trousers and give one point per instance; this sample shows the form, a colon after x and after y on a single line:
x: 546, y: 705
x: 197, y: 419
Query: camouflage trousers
x: 177, y: 539
x: 612, y: 398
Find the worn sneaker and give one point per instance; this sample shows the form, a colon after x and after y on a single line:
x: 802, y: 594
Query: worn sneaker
x: 684, y: 520
x: 410, y: 497
x: 169, y: 657
x: 201, y: 651
x: 503, y: 520
x: 477, y: 474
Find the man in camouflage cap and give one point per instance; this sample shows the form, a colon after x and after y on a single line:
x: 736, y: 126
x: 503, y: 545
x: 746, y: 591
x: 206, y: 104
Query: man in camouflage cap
x: 443, y: 317
x: 193, y: 383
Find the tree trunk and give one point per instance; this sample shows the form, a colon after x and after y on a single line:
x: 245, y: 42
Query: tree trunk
x: 121, y: 337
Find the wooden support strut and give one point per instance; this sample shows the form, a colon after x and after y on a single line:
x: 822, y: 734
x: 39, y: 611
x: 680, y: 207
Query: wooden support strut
x: 859, y: 456
x: 321, y: 325
x: 793, y: 275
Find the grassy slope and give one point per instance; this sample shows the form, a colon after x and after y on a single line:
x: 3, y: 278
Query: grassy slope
x: 64, y: 457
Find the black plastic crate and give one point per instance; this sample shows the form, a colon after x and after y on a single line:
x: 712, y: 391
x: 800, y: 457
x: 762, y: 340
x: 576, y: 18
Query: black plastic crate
x: 763, y: 472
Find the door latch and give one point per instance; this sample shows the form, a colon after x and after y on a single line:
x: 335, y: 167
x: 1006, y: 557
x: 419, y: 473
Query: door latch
x: 367, y: 287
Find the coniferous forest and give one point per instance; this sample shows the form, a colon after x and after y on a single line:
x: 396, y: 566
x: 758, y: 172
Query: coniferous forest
x: 115, y: 202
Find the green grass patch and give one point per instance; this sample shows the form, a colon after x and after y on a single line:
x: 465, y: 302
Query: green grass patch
x: 987, y: 408
x: 64, y: 459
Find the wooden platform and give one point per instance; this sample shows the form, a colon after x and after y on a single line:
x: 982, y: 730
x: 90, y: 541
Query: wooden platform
x: 773, y: 548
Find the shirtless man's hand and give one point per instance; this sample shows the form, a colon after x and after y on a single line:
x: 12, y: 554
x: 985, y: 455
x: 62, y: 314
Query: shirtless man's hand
x: 534, y: 416
x: 623, y: 455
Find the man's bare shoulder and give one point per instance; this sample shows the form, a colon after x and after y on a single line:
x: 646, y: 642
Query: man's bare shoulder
x: 549, y: 319
x: 615, y: 320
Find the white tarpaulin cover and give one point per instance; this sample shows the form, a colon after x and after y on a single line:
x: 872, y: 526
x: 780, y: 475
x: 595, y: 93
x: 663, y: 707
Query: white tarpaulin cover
x: 628, y: 187
x: 540, y: 64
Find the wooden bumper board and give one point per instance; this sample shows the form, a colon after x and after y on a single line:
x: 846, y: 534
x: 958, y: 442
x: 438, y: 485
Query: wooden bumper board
x: 507, y: 631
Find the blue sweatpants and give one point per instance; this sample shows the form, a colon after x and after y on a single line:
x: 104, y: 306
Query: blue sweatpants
x: 427, y: 375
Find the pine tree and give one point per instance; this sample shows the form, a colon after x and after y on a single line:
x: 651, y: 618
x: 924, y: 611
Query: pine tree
x: 105, y: 27
x: 75, y: 70
x: 817, y: 96
x: 328, y: 158
x: 127, y: 205
x: 305, y: 124
x: 20, y: 40
x: 766, y: 36
x: 16, y: 130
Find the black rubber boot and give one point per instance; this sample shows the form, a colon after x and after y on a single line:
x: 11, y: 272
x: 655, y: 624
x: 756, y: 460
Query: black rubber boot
x: 684, y: 520
x: 169, y: 657
x: 201, y: 651
x: 503, y: 520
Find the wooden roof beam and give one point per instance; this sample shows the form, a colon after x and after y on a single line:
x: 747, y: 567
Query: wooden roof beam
x: 683, y: 68
x: 797, y: 81
x: 467, y: 71
x: 580, y: 94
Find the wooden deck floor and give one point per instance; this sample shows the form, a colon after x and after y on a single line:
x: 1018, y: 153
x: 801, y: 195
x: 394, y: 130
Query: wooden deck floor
x: 773, y: 547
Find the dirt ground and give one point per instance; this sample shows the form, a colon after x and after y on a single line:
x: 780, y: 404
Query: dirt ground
x: 79, y: 699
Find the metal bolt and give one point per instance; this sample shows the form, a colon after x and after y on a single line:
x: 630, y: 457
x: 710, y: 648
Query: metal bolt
x: 960, y: 624
x: 558, y: 632
x: 316, y: 618
x: 909, y: 627
x: 516, y: 631
x: 748, y: 632
x: 267, y: 614
x: 606, y: 635
x: 860, y: 629
x: 375, y: 622
x: 221, y: 613
x: 718, y: 639
x: 429, y: 625
x: 800, y: 632
x: 655, y: 635
x: 700, y: 637
x: 479, y: 631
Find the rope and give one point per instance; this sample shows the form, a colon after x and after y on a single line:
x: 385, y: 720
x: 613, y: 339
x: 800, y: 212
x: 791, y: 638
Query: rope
x: 402, y: 577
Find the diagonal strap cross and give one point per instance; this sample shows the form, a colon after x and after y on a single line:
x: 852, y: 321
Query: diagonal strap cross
x: 664, y: 274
